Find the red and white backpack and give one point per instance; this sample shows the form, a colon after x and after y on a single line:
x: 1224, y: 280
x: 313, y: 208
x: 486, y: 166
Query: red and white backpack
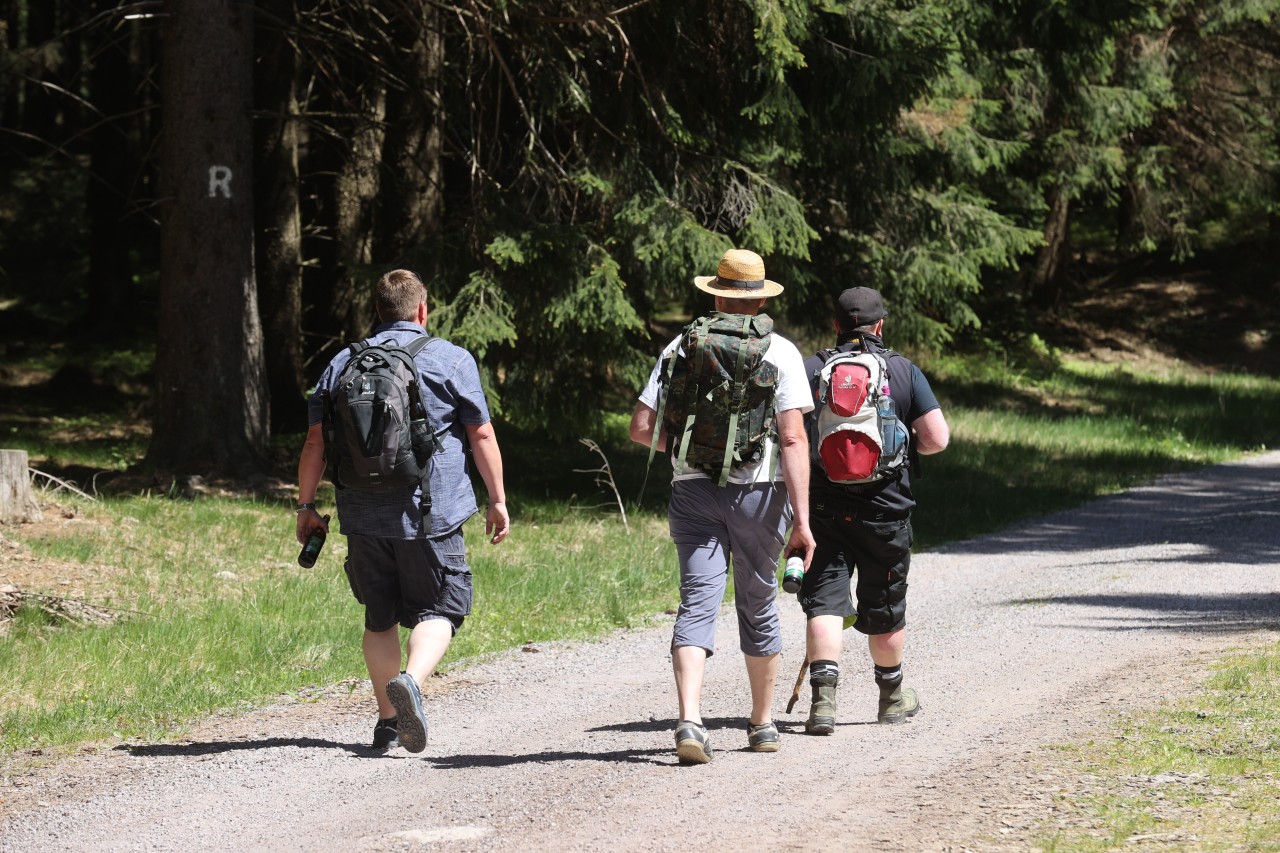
x: 857, y: 437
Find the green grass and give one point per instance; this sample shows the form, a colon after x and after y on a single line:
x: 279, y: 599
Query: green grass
x: 1027, y: 439
x: 1025, y: 443
x: 1198, y: 774
x: 193, y: 643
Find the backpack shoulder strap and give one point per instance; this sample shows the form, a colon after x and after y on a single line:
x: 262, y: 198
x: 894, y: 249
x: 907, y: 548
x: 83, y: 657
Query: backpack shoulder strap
x: 416, y: 345
x: 665, y: 372
x: 664, y: 382
x: 913, y: 451
x: 887, y: 354
x: 739, y: 391
x: 700, y: 332
x: 411, y: 350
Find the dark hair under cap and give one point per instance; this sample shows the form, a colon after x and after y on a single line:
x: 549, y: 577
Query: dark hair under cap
x: 859, y: 306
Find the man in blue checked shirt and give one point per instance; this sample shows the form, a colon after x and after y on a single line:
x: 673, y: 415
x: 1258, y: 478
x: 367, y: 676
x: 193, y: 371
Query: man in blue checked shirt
x: 407, y: 567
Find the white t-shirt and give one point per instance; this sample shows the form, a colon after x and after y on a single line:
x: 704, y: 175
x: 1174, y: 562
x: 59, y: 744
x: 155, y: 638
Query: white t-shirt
x: 793, y: 392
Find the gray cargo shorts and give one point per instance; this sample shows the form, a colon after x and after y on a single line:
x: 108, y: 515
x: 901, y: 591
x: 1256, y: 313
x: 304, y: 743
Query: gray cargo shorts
x: 712, y: 528
x: 408, y: 581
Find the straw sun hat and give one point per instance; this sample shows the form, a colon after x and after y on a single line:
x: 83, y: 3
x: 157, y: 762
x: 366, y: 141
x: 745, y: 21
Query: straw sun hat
x: 739, y: 276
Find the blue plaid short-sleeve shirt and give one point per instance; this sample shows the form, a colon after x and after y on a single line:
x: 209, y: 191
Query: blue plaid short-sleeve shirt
x: 455, y: 400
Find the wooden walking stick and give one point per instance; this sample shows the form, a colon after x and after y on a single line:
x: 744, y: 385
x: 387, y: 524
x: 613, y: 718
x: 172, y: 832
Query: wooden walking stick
x: 804, y: 667
x: 795, y: 693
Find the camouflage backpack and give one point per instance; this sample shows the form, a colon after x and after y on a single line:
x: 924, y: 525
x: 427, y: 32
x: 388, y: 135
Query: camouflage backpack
x: 717, y: 394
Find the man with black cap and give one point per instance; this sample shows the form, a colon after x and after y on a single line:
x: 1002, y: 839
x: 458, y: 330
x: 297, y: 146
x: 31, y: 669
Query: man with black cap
x: 865, y: 528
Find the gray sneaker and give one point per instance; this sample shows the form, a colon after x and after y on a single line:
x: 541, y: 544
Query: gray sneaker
x: 897, y: 704
x: 693, y: 745
x: 411, y: 726
x: 762, y: 737
x: 822, y: 713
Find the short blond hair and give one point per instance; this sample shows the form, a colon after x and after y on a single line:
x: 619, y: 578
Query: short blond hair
x: 400, y: 292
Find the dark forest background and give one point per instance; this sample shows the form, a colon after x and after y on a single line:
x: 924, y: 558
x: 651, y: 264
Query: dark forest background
x: 217, y: 184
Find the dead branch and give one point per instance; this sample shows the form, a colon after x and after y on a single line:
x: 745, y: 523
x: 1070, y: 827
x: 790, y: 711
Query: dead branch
x: 62, y: 484
x: 72, y: 611
x: 604, y: 477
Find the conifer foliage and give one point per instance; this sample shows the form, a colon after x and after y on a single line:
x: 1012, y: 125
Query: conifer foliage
x: 558, y: 170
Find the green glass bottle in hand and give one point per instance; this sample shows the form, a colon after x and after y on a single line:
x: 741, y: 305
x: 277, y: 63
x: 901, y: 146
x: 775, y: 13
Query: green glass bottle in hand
x: 311, y: 550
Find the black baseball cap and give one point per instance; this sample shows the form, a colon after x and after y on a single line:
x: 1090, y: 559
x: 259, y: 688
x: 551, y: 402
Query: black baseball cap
x: 859, y: 306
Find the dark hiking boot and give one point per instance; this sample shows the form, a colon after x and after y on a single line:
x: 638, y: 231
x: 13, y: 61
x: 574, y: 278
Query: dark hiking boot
x: 763, y: 737
x: 384, y: 734
x: 897, y: 703
x: 693, y: 745
x: 822, y: 713
x: 411, y: 727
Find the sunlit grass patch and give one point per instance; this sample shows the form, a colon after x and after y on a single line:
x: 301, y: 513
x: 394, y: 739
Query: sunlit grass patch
x: 217, y: 614
x: 1202, y: 773
x: 568, y: 581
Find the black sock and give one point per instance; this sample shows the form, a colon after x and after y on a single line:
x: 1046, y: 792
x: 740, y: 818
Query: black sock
x: 889, y: 676
x: 824, y: 669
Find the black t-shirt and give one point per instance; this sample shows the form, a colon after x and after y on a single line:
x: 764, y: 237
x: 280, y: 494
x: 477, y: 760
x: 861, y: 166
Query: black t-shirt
x: 911, y: 399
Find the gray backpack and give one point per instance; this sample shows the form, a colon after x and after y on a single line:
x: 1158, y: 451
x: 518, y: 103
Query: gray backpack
x: 376, y: 433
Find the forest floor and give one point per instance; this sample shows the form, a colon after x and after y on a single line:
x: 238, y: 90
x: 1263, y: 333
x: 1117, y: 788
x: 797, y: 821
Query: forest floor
x: 1022, y: 642
x: 1220, y: 311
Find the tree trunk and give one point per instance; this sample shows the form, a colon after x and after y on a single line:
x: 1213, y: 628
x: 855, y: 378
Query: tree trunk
x: 1044, y: 286
x: 211, y: 405
x: 1273, y: 218
x: 1130, y: 225
x: 279, y: 229
x: 356, y: 194
x: 17, y: 503
x: 39, y: 109
x: 111, y: 170
x: 10, y: 38
x: 411, y: 201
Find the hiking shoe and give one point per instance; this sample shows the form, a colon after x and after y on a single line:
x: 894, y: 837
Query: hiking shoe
x: 763, y: 737
x: 897, y: 704
x: 384, y: 734
x: 411, y: 726
x: 822, y: 713
x: 692, y: 743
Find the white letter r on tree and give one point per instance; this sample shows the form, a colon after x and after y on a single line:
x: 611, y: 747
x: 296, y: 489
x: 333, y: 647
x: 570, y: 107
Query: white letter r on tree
x: 219, y: 179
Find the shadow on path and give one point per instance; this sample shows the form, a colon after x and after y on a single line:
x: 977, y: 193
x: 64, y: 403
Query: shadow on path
x: 1222, y: 613
x: 669, y: 725
x: 182, y: 750
x: 631, y: 756
x: 1228, y: 513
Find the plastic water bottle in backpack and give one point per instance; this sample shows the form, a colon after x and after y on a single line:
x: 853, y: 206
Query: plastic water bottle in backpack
x: 892, y: 431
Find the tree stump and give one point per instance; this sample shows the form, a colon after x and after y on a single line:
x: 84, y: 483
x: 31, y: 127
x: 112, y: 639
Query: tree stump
x: 17, y: 503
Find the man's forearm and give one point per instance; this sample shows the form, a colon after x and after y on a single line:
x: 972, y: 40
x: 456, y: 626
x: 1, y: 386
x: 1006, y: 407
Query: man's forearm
x: 488, y: 462
x: 311, y: 465
x: 794, y: 449
x: 795, y: 473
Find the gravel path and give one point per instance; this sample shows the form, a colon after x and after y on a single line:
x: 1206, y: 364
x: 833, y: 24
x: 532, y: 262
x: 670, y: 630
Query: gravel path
x: 1027, y: 638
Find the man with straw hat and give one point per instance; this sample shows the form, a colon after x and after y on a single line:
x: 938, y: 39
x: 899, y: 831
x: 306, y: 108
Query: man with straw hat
x: 737, y: 507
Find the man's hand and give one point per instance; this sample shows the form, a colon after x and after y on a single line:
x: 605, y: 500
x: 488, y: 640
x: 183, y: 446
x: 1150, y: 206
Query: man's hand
x: 497, y: 524
x: 308, y: 521
x: 801, y: 542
